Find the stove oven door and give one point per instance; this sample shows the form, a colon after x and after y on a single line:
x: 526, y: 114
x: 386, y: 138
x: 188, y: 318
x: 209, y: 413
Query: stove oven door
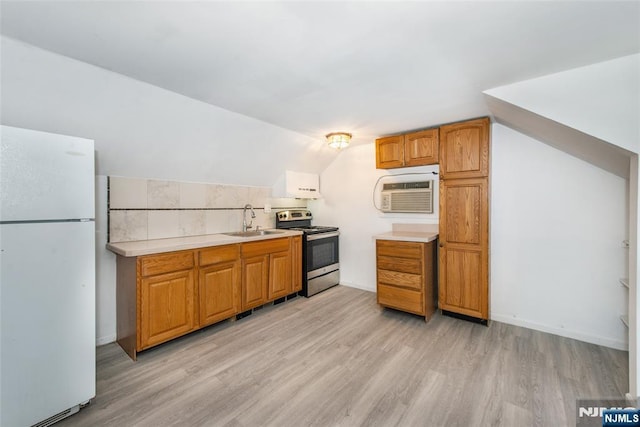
x: 322, y: 262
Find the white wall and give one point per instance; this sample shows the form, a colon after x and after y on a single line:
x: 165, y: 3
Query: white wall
x: 141, y: 130
x: 557, y: 227
x: 347, y: 188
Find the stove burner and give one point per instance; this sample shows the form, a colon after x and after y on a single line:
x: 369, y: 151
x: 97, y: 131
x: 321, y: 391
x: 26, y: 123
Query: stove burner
x: 315, y: 229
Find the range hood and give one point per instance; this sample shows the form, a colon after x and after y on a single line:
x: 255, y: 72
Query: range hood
x: 298, y: 185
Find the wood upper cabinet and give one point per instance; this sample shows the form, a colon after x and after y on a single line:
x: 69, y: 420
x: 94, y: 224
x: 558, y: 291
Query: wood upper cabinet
x: 464, y: 149
x: 219, y: 283
x: 266, y: 271
x: 412, y: 149
x: 167, y: 294
x: 464, y: 247
x: 406, y: 276
x: 421, y: 148
x: 390, y: 152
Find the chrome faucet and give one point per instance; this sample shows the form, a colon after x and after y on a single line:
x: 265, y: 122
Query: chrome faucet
x: 245, y: 227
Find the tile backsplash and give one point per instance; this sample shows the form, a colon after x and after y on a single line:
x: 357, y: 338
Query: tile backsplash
x: 141, y: 209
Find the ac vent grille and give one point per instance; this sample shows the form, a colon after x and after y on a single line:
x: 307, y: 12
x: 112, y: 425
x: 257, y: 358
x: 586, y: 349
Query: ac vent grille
x: 411, y: 202
x: 408, y: 198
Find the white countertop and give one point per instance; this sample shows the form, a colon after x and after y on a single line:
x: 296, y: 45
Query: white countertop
x: 423, y: 233
x: 407, y: 236
x: 156, y: 246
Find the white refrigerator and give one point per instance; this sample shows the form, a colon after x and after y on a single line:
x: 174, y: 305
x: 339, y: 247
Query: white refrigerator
x: 47, y: 276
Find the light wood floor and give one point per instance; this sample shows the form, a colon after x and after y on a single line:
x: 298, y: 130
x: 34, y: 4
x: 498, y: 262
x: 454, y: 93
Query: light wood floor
x: 337, y: 359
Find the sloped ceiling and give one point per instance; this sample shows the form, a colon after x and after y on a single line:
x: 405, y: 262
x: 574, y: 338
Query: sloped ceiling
x: 371, y: 68
x: 591, y: 112
x: 238, y: 92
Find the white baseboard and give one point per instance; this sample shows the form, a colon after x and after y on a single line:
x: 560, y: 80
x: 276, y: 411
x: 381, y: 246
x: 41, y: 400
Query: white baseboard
x: 357, y: 286
x: 580, y: 336
x: 105, y: 340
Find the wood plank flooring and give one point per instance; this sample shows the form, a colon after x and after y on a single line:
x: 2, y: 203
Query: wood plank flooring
x: 337, y: 359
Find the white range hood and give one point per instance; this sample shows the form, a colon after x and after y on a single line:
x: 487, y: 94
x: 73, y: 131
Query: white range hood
x: 299, y: 185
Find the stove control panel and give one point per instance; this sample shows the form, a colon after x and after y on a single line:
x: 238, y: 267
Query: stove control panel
x: 294, y: 215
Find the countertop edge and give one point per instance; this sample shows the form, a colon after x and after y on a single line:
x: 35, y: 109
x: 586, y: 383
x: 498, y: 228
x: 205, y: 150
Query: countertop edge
x: 158, y: 246
x: 406, y: 236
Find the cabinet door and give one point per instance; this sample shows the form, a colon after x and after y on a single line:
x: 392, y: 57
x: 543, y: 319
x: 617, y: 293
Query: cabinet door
x: 219, y: 286
x: 279, y: 275
x: 464, y: 149
x: 464, y: 247
x: 421, y: 148
x: 166, y: 307
x: 390, y: 152
x: 296, y: 264
x: 255, y: 278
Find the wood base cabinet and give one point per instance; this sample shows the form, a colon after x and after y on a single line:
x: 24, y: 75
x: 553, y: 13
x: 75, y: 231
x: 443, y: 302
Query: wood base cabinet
x: 406, y: 275
x: 296, y: 264
x: 167, y: 293
x: 219, y: 283
x: 163, y: 296
x: 266, y: 271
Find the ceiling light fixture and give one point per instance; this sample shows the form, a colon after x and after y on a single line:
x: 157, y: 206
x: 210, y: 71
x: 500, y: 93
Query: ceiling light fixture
x: 338, y: 139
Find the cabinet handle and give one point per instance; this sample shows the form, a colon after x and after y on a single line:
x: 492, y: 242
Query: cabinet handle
x: 442, y: 245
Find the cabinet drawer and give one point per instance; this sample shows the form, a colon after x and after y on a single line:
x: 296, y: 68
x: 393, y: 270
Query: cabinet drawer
x: 262, y: 247
x: 405, y: 265
x: 401, y: 299
x: 166, y: 263
x: 399, y: 249
x: 397, y: 278
x: 219, y: 254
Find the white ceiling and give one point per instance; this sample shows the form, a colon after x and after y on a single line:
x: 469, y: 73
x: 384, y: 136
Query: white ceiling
x: 371, y: 68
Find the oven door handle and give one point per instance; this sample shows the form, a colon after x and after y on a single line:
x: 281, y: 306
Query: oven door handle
x: 322, y: 235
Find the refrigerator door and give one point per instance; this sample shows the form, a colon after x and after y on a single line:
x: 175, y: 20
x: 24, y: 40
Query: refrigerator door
x: 44, y: 176
x: 47, y: 319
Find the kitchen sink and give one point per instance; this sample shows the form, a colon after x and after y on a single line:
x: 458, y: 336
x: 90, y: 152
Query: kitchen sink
x: 252, y: 233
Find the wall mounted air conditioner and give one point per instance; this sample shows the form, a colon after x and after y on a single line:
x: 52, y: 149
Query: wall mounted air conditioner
x: 414, y: 197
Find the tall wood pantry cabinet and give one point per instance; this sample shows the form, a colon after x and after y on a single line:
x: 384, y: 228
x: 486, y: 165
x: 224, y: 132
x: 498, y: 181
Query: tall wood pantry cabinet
x: 464, y: 218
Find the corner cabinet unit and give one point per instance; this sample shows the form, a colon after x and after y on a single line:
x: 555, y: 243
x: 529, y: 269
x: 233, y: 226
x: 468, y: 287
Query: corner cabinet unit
x: 163, y: 296
x: 405, y: 276
x: 412, y: 149
x: 464, y: 219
